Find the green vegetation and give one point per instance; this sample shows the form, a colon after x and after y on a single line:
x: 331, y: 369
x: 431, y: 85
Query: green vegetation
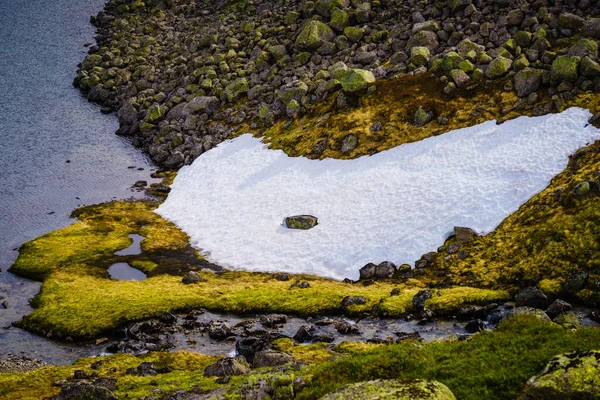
x: 491, y: 365
x: 187, y: 372
x: 553, y: 239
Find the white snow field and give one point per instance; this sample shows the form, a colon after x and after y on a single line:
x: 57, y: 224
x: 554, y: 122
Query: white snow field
x: 393, y: 206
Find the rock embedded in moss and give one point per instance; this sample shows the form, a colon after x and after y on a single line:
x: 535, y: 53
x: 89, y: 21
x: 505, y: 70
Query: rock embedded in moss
x: 568, y: 376
x: 565, y: 68
x: 302, y: 222
x: 192, y: 277
x: 498, y: 67
x: 422, y: 117
x: 313, y: 35
x: 349, y: 143
x: 417, y: 389
x: 271, y: 358
x: 229, y: 366
x: 355, y: 80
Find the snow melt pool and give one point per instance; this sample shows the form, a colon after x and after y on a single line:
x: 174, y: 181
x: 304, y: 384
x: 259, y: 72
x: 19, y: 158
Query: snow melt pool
x: 395, y: 205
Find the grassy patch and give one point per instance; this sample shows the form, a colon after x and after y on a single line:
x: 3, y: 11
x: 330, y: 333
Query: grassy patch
x: 187, y: 372
x: 492, y: 365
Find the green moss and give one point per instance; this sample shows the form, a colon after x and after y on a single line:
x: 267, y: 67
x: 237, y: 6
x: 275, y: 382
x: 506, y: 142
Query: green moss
x: 451, y: 299
x: 553, y: 236
x: 498, y: 67
x: 187, y: 372
x: 310, y: 353
x: 491, y: 365
x: 391, y: 389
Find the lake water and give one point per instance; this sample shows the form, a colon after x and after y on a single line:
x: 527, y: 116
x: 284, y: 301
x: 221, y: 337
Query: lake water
x: 45, y: 122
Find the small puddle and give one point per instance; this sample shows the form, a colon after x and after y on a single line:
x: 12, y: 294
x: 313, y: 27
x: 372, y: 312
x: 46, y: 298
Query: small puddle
x: 135, y: 247
x: 124, y: 272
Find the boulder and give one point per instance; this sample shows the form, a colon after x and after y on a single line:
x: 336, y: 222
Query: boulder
x: 339, y: 19
x: 464, y: 235
x: 558, y: 307
x: 420, y: 298
x: 565, y: 68
x: 591, y: 28
x: 422, y: 117
x: 416, y: 389
x: 313, y: 35
x: 584, y: 47
x: 303, y: 222
x: 236, y: 89
x: 570, y: 21
x: 589, y: 68
x: 249, y: 346
x: 355, y: 80
x: 271, y: 358
x: 84, y: 391
x: 292, y: 91
x: 419, y: 56
x: 498, y: 67
x: 192, y: 277
x: 424, y: 39
x: 527, y: 81
x: 229, y: 366
x: 326, y: 7
x: 459, y: 77
x: 568, y: 376
x: 349, y: 143
x: 198, y: 105
x: 532, y: 297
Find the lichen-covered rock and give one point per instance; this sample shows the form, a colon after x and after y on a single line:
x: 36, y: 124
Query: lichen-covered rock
x: 417, y: 389
x: 431, y: 25
x: 567, y: 377
x: 313, y: 35
x: 589, y: 68
x: 568, y: 319
x: 419, y: 56
x: 565, y: 68
x: 229, y: 366
x: 303, y: 222
x: 353, y: 33
x: 451, y: 61
x: 198, y: 105
x: 355, y: 80
x: 498, y: 67
x: 326, y: 7
x: 339, y: 19
x: 349, y: 143
x: 236, y: 89
x: 584, y: 47
x: 192, y: 277
x: 425, y: 39
x: 292, y: 91
x: 527, y: 81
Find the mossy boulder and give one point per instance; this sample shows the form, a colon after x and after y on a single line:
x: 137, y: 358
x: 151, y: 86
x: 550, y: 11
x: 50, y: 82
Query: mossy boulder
x: 589, y: 68
x: 419, y: 56
x: 527, y: 81
x: 417, y: 389
x: 584, y: 47
x: 591, y: 28
x: 353, y: 33
x: 313, y: 35
x: 498, y: 67
x: 339, y: 19
x: 568, y: 376
x: 451, y: 61
x: 236, y: 89
x: 565, y: 68
x: 292, y: 91
x: 355, y: 80
x: 155, y: 113
x: 326, y: 7
x: 460, y: 77
x: 90, y: 61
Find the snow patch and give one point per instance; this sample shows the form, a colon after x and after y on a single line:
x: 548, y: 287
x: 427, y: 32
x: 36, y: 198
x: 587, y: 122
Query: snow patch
x: 393, y: 206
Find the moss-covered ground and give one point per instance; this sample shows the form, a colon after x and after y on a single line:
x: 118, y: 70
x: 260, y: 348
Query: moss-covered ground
x: 491, y: 365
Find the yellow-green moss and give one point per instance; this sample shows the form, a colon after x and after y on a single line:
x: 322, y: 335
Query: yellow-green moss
x: 310, y: 353
x: 187, y: 372
x: 452, y: 298
x: 550, y: 237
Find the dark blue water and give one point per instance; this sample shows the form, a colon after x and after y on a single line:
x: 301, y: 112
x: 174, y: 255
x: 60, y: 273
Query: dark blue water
x: 44, y: 122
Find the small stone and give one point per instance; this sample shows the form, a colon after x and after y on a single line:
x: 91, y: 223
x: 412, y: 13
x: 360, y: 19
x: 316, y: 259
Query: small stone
x: 422, y: 117
x: 532, y: 297
x: 349, y: 143
x: 353, y: 300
